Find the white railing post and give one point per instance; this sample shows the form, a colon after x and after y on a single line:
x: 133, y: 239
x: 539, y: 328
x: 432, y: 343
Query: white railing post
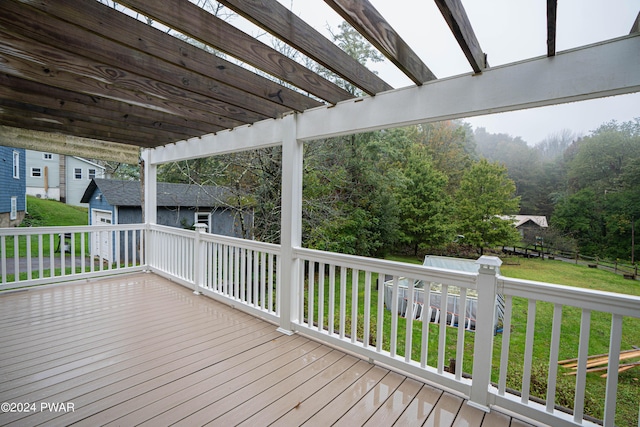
x: 147, y: 247
x: 198, y: 258
x: 483, y: 345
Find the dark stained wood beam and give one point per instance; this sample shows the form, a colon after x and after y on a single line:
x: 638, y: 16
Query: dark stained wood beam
x: 552, y: 8
x: 66, y: 144
x: 195, y: 22
x: 282, y: 23
x: 55, y: 98
x: 39, y: 123
x: 371, y: 24
x: 91, y: 121
x: 35, y: 61
x: 458, y: 21
x: 122, y: 60
x: 169, y: 58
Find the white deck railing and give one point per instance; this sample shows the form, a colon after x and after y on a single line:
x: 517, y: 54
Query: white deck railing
x: 41, y: 255
x: 339, y: 299
x: 243, y: 273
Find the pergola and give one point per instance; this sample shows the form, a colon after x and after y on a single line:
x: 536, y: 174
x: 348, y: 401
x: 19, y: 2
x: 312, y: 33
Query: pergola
x: 82, y: 75
x: 79, y: 77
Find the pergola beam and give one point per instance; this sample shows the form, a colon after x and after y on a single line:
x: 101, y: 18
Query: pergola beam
x: 526, y: 84
x: 68, y: 145
x: 552, y: 8
x: 217, y: 33
x: 458, y: 21
x: 534, y: 83
x: 281, y: 22
x: 371, y: 24
x: 137, y: 45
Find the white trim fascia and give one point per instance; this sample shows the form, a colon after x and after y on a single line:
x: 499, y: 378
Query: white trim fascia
x: 263, y: 134
x: 599, y: 70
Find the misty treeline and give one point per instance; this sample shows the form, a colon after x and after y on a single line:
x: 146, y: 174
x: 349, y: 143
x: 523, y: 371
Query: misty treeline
x: 588, y: 187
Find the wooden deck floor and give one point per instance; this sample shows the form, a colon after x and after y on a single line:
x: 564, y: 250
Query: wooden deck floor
x: 138, y: 349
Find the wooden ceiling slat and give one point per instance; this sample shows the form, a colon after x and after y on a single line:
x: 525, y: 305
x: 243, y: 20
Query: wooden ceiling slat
x: 122, y: 59
x: 51, y: 97
x: 458, y: 21
x: 191, y: 20
x: 372, y: 25
x: 18, y: 109
x: 552, y: 7
x: 113, y: 135
x: 96, y: 122
x: 35, y: 61
x: 156, y: 51
x: 282, y: 23
x: 67, y: 144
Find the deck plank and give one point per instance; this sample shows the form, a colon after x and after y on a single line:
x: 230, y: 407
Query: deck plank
x: 339, y: 406
x: 420, y: 407
x: 293, y: 398
x: 469, y: 416
x: 396, y: 404
x: 139, y: 350
x: 372, y: 401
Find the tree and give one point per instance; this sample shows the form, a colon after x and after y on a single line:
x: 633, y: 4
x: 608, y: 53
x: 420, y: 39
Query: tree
x: 486, y: 193
x: 450, y: 145
x: 425, y: 208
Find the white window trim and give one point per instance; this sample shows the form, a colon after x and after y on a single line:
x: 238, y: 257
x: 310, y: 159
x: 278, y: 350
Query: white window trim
x: 95, y: 173
x: 75, y: 175
x: 16, y: 165
x: 33, y: 170
x: 14, y: 208
x: 44, y: 156
x: 208, y: 222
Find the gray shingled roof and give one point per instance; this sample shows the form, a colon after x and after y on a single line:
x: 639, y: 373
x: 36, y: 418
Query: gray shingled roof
x: 127, y: 193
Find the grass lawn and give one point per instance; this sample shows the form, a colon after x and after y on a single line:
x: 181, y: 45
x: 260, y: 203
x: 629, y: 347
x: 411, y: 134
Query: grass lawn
x: 48, y: 213
x: 547, y: 271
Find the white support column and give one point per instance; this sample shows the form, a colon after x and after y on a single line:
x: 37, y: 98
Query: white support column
x: 483, y: 346
x: 291, y: 224
x: 150, y: 202
x: 150, y: 189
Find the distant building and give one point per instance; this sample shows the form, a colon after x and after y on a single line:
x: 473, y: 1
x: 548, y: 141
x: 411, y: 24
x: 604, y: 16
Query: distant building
x: 179, y: 205
x: 13, y: 202
x: 529, y: 226
x: 59, y: 177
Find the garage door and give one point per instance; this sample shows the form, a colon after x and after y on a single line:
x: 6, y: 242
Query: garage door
x: 102, y: 240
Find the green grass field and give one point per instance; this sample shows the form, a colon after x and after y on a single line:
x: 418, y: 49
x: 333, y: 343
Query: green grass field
x: 47, y: 213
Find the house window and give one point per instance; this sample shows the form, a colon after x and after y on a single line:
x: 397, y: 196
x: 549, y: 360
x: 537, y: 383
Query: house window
x: 47, y: 156
x: 203, y: 218
x: 77, y: 173
x: 14, y: 208
x: 36, y: 172
x: 92, y: 173
x: 16, y: 165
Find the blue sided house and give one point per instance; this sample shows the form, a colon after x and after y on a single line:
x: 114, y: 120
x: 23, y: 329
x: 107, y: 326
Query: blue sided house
x: 179, y: 205
x: 13, y: 203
